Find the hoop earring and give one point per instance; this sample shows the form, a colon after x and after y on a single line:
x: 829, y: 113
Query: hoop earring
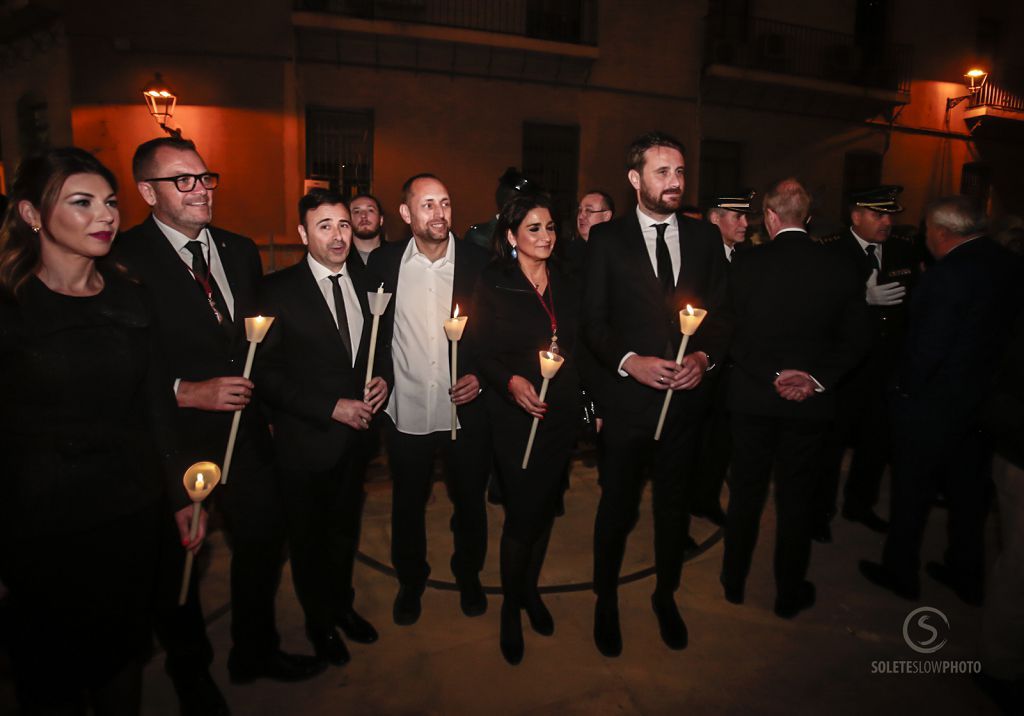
x: 515, y: 254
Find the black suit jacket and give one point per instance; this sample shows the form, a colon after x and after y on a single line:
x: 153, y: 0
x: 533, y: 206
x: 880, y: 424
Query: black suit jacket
x: 303, y: 367
x: 798, y: 306
x: 960, y: 318
x: 624, y: 308
x: 470, y: 261
x: 195, y: 346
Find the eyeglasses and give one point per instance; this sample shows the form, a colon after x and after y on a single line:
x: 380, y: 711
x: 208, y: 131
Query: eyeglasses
x: 187, y: 182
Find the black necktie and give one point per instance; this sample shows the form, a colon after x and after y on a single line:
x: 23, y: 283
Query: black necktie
x: 869, y: 251
x: 732, y: 252
x: 201, y: 272
x: 339, y: 310
x: 661, y: 255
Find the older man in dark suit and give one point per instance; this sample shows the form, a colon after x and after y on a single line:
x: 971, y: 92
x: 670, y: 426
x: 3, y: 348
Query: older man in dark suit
x: 959, y: 321
x: 801, y: 324
x: 311, y: 371
x: 642, y: 268
x: 203, y: 281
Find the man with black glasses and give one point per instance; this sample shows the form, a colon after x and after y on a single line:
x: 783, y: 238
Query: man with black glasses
x: 203, y: 281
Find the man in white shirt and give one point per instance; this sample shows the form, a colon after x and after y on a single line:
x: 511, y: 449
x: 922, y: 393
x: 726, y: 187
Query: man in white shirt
x: 430, y: 276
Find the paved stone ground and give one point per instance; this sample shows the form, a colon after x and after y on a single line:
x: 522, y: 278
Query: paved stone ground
x: 741, y: 659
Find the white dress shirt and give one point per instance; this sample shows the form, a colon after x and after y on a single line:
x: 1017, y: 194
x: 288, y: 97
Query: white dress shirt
x: 178, y: 241
x: 865, y: 244
x: 729, y: 251
x: 651, y: 241
x: 353, y: 311
x: 420, y: 403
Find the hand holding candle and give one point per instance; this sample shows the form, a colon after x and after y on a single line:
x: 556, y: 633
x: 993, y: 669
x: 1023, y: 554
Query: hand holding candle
x: 255, y: 331
x: 549, y: 365
x: 453, y: 328
x: 378, y: 304
x: 689, y: 320
x: 199, y: 480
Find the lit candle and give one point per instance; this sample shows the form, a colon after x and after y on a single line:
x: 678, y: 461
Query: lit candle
x: 378, y: 303
x: 255, y: 331
x: 199, y: 480
x: 549, y: 365
x: 689, y: 320
x: 453, y: 328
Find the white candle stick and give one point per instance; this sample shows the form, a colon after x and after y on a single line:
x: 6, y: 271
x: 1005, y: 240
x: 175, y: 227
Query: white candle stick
x: 255, y: 331
x: 453, y: 328
x: 199, y: 480
x: 689, y: 320
x: 549, y: 365
x: 378, y: 303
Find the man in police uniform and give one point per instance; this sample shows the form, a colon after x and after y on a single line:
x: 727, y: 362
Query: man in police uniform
x: 730, y: 214
x: 888, y: 265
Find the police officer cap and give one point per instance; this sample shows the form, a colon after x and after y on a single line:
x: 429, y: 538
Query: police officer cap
x: 514, y: 179
x: 739, y: 202
x: 880, y: 198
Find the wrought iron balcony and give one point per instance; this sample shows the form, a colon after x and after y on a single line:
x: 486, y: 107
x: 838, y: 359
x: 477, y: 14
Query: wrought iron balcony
x: 996, y: 97
x: 783, y: 48
x: 569, y: 21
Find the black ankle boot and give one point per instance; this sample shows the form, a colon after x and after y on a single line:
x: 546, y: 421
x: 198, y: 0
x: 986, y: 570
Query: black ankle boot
x: 512, y: 646
x: 541, y: 620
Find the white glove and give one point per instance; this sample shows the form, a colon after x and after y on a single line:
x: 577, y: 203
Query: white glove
x: 886, y: 294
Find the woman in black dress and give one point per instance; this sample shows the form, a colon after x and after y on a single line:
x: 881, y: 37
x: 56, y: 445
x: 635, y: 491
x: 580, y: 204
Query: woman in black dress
x: 87, y: 459
x: 526, y: 304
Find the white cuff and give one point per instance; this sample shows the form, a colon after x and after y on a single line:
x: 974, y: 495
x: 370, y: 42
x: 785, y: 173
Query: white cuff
x: 177, y: 382
x: 623, y: 373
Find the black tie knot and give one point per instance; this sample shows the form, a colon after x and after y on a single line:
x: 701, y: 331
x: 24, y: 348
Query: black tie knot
x: 660, y: 228
x: 873, y: 262
x: 199, y: 265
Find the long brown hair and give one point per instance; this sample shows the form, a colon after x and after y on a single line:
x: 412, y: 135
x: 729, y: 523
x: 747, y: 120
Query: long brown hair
x: 38, y: 181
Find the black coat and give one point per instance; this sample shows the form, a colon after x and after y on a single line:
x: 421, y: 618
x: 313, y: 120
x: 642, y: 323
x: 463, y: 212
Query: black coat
x: 798, y: 306
x: 470, y: 261
x: 303, y: 369
x: 960, y: 318
x: 624, y: 307
x: 194, y: 345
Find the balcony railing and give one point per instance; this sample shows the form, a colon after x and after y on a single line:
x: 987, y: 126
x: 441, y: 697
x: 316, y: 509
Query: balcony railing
x: 572, y: 21
x: 759, y: 44
x: 993, y: 96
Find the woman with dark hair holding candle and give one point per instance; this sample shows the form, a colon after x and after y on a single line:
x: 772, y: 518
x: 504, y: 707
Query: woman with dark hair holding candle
x: 526, y: 304
x: 86, y: 418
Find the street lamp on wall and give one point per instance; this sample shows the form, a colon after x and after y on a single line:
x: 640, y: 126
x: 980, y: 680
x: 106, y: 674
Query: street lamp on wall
x: 161, y: 101
x: 974, y: 79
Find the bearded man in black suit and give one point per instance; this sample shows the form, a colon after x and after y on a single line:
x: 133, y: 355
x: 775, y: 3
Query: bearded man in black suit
x: 642, y: 268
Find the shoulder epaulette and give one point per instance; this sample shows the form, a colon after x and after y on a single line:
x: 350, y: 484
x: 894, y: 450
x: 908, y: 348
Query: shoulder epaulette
x: 828, y: 238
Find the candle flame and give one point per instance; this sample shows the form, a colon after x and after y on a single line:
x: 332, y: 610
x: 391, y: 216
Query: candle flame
x: 689, y: 309
x: 456, y: 314
x: 200, y: 482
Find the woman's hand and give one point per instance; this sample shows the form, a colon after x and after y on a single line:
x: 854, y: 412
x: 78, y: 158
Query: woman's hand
x: 526, y: 397
x: 183, y: 518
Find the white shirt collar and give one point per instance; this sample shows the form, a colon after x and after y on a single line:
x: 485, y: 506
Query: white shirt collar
x: 646, y: 222
x: 865, y: 244
x: 321, y: 272
x: 414, y: 251
x: 178, y: 239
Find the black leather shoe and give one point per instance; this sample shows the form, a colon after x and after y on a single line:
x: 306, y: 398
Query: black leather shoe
x: 822, y: 532
x: 541, y: 620
x: 970, y: 593
x: 407, y: 606
x: 276, y: 665
x: 789, y: 606
x: 878, y: 575
x: 670, y: 622
x: 733, y: 592
x: 198, y: 694
x: 328, y: 646
x: 607, y: 635
x: 472, y: 598
x: 356, y: 628
x: 868, y: 518
x: 511, y: 641
x: 714, y: 514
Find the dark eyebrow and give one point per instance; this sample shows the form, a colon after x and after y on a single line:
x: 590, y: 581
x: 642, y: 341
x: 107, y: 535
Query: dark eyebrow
x: 83, y: 193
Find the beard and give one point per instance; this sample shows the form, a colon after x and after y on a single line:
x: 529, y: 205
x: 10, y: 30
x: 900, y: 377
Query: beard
x: 665, y: 203
x: 366, y: 234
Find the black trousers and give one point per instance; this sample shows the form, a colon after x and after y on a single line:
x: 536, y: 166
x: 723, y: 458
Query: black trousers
x: 791, y: 447
x: 253, y: 514
x: 325, y: 511
x: 714, y: 451
x: 929, y: 457
x: 628, y: 456
x: 467, y: 465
